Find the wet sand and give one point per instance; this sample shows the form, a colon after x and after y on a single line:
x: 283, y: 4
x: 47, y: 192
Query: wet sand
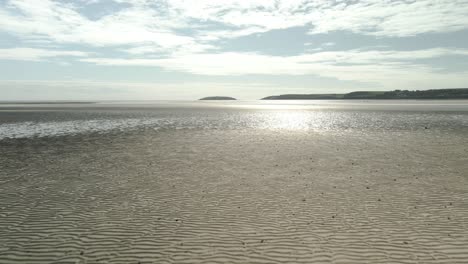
x: 235, y: 196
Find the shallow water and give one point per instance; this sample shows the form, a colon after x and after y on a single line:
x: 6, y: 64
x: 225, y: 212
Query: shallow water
x: 22, y: 121
x: 246, y: 182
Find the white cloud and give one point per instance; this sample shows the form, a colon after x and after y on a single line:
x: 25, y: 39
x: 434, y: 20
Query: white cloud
x: 392, y: 18
x: 178, y: 35
x: 157, y: 50
x: 372, y: 17
x: 380, y: 67
x: 158, y: 22
x: 63, y: 23
x: 235, y: 63
x: 30, y: 54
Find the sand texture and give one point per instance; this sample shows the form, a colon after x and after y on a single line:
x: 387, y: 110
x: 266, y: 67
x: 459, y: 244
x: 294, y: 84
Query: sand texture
x: 246, y: 196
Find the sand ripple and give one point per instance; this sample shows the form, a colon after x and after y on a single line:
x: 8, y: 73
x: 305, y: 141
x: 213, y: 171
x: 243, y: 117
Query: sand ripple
x: 203, y: 196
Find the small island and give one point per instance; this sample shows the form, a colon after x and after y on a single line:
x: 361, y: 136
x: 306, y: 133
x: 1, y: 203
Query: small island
x: 218, y: 98
x: 460, y: 93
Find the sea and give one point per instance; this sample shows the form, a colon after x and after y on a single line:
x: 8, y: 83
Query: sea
x: 351, y: 181
x: 28, y: 120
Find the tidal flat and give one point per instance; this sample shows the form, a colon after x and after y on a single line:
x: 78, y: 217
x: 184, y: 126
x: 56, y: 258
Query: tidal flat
x: 240, y: 182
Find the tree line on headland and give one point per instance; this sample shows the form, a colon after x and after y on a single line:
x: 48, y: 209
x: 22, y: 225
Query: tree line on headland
x: 461, y: 93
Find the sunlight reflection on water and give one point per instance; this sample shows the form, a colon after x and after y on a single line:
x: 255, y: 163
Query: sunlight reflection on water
x: 289, y: 120
x: 56, y: 121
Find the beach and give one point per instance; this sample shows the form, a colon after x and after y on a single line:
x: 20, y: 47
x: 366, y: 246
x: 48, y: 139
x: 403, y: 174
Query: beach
x: 236, y: 184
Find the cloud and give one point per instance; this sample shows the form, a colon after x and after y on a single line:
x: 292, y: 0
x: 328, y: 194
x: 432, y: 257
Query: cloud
x: 236, y: 63
x: 379, y: 67
x: 188, y: 37
x: 31, y: 54
x: 393, y: 18
x: 63, y: 23
x: 175, y: 24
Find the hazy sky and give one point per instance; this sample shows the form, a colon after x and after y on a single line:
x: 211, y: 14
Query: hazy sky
x: 179, y: 49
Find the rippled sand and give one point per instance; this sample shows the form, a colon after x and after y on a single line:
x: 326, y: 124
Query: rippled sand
x: 235, y: 196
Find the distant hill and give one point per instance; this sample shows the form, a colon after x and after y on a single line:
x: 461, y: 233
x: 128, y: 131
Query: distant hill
x: 218, y: 98
x: 459, y: 93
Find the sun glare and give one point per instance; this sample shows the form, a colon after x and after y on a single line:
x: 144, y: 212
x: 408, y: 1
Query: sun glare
x: 287, y: 120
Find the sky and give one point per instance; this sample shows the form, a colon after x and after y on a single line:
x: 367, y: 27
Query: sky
x: 248, y: 49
